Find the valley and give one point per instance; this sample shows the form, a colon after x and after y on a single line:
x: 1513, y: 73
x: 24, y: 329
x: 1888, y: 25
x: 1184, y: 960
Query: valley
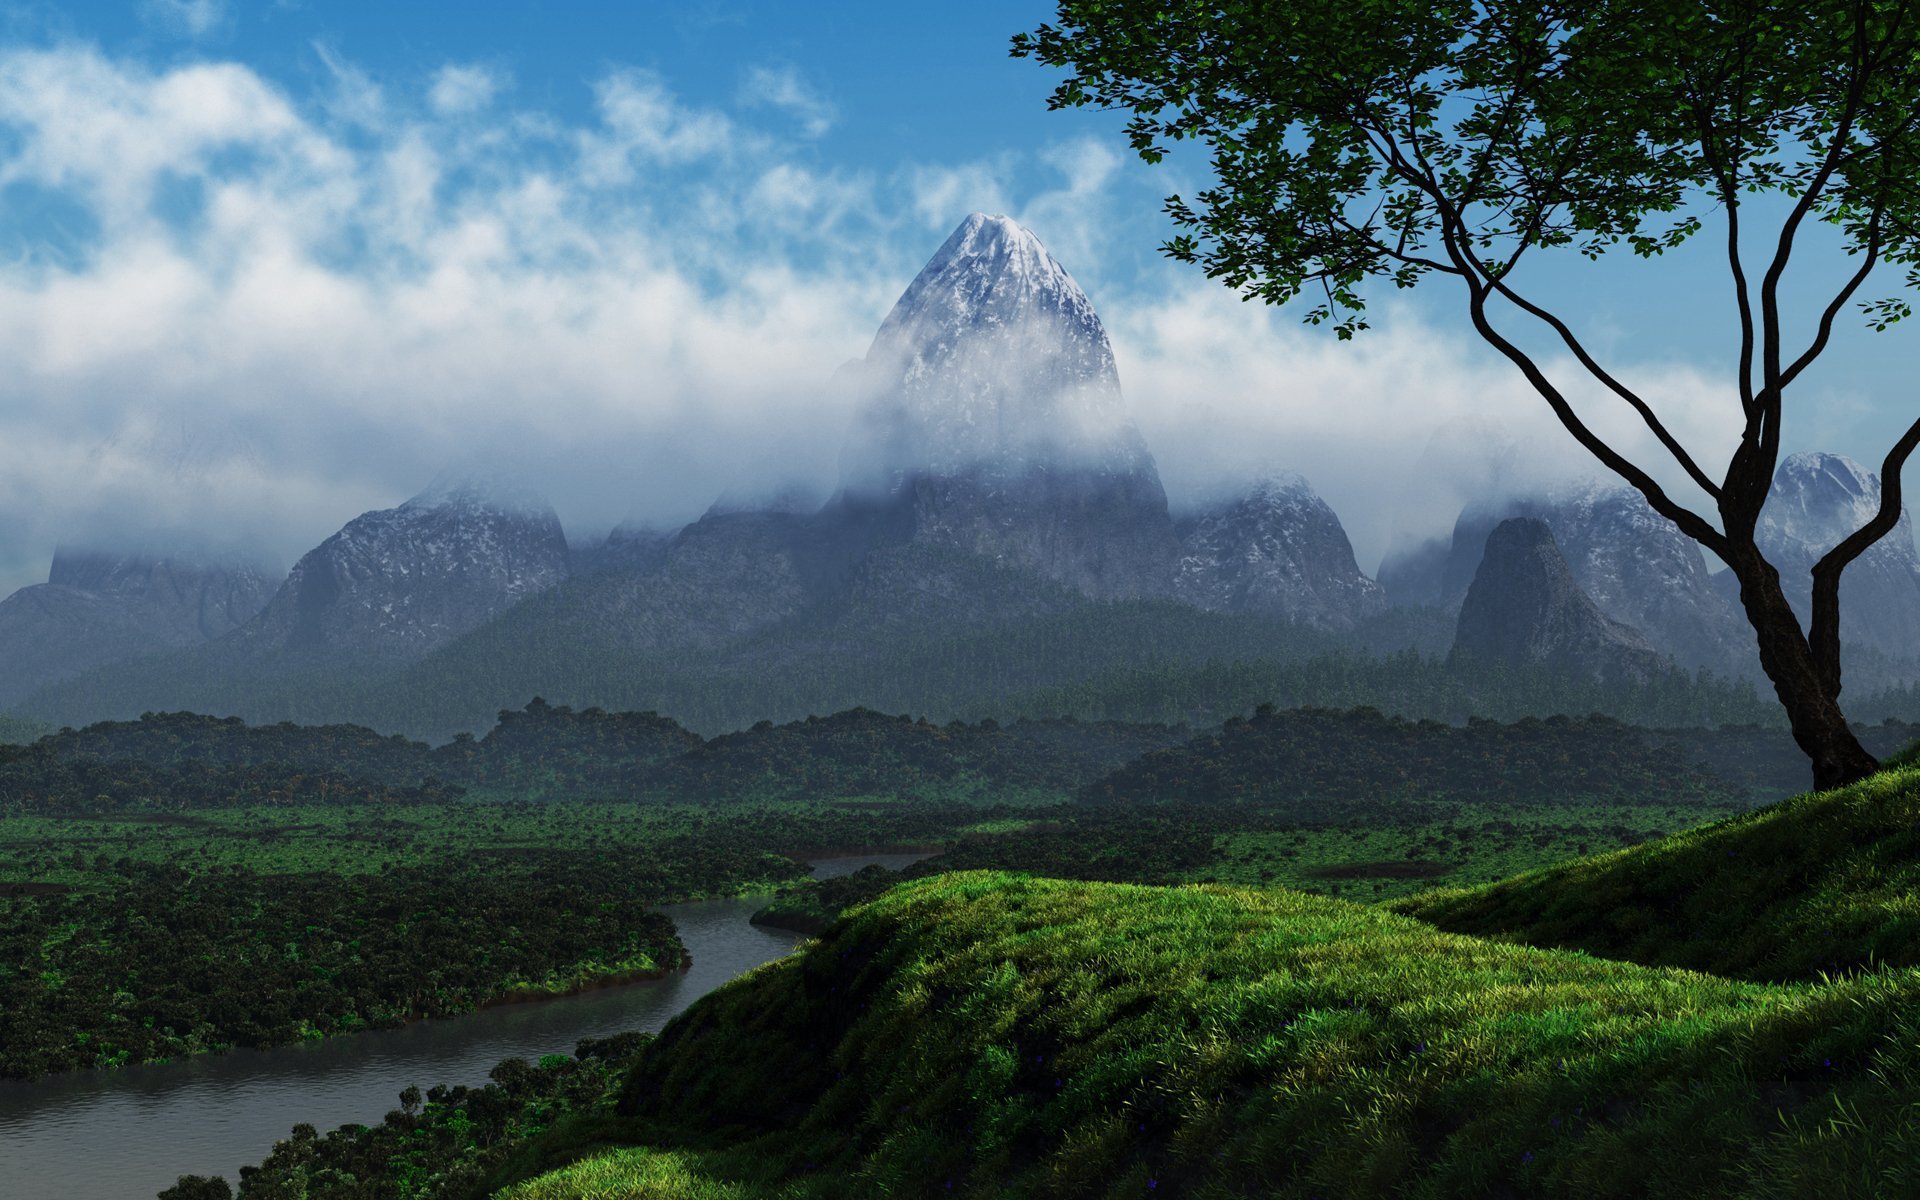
x: 950, y: 775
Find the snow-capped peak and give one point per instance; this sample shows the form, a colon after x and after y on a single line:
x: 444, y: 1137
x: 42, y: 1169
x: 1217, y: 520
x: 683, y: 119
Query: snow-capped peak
x: 991, y: 271
x: 992, y: 358
x: 1278, y: 485
x: 1820, y: 498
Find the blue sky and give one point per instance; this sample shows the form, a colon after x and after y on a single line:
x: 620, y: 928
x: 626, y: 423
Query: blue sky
x: 269, y: 264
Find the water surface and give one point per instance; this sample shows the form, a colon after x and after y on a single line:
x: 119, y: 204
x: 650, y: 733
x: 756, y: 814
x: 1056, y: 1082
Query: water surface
x: 126, y: 1134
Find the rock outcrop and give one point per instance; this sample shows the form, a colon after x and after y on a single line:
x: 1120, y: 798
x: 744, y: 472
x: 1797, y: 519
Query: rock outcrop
x: 396, y: 583
x: 1279, y: 550
x: 1524, y: 607
x: 101, y: 607
x: 1634, y: 564
x: 990, y: 409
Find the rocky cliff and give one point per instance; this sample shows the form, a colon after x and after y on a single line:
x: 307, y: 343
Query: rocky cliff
x: 398, y: 582
x: 1277, y: 549
x: 1634, y: 564
x: 99, y: 607
x: 990, y: 407
x: 1524, y: 606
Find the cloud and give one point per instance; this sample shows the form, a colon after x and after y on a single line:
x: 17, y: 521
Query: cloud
x: 1397, y: 429
x: 643, y: 124
x: 782, y: 88
x: 292, y: 308
x: 461, y: 88
x: 191, y: 18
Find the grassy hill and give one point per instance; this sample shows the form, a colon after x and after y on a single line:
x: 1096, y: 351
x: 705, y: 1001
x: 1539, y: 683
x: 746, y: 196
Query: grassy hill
x: 989, y: 1035
x: 1820, y: 883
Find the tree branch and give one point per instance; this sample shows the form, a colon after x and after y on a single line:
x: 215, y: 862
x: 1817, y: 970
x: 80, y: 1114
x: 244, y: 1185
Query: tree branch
x: 1824, y: 631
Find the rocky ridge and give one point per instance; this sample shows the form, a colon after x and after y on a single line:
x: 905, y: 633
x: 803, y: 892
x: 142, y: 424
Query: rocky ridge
x: 398, y: 582
x: 1524, y: 606
x: 99, y: 607
x: 1276, y: 549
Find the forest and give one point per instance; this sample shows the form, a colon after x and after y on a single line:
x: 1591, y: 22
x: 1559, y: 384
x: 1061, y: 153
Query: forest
x: 134, y: 854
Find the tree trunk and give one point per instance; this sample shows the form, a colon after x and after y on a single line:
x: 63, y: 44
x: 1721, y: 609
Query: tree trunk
x: 1812, y: 703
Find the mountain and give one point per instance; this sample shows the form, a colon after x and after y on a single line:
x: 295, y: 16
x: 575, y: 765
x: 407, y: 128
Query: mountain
x: 395, y: 583
x: 1278, y: 549
x: 100, y: 607
x: 1634, y: 564
x: 990, y: 411
x: 629, y: 546
x: 1816, y: 501
x: 1525, y: 607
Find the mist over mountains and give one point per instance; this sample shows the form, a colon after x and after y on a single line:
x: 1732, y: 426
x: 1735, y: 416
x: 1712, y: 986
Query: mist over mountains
x: 999, y: 529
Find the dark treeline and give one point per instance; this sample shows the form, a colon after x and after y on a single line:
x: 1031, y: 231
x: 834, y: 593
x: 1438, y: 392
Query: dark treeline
x: 1324, y: 763
x: 174, y: 762
x: 170, y: 963
x: 36, y: 781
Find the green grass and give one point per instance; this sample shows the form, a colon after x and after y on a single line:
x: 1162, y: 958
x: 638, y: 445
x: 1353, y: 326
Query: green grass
x: 640, y: 1174
x: 989, y: 1035
x: 1469, y: 845
x: 1825, y: 882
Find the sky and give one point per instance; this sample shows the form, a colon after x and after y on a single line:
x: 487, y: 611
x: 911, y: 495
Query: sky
x: 265, y: 266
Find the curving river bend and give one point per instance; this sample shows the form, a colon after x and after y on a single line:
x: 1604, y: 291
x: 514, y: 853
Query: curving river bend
x: 124, y: 1135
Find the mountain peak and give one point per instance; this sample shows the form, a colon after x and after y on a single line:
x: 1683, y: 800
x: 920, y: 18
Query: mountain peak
x: 1524, y: 607
x: 1819, y: 498
x: 993, y: 358
x: 474, y: 489
x: 991, y: 271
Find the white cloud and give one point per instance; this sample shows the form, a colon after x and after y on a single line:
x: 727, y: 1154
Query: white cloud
x: 639, y: 309
x: 941, y: 194
x: 642, y: 123
x: 784, y: 89
x: 461, y: 88
x: 1397, y: 429
x: 356, y: 98
x: 193, y: 18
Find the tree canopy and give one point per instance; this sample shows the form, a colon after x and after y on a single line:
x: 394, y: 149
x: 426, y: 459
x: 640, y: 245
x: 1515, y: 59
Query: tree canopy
x: 1390, y: 141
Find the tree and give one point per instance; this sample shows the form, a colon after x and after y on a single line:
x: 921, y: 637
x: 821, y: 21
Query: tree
x: 1408, y: 140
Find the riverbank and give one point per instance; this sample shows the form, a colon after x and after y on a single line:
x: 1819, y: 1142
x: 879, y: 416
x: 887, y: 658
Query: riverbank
x: 126, y: 1134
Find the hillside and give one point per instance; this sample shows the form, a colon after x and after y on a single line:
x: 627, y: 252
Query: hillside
x: 1322, y: 763
x: 987, y: 1035
x: 1823, y: 882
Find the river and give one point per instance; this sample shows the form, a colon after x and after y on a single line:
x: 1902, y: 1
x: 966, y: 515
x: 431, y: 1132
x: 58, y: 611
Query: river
x: 126, y: 1134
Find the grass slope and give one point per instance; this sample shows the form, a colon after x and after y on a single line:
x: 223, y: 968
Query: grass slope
x: 987, y: 1035
x: 1822, y: 882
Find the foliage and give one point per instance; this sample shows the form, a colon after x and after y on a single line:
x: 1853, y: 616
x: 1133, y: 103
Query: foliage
x: 1319, y: 764
x: 18, y: 731
x: 551, y: 748
x: 34, y: 781
x: 1820, y: 883
x: 986, y: 1035
x: 861, y: 752
x: 171, y: 963
x: 189, y: 740
x: 445, y: 1143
